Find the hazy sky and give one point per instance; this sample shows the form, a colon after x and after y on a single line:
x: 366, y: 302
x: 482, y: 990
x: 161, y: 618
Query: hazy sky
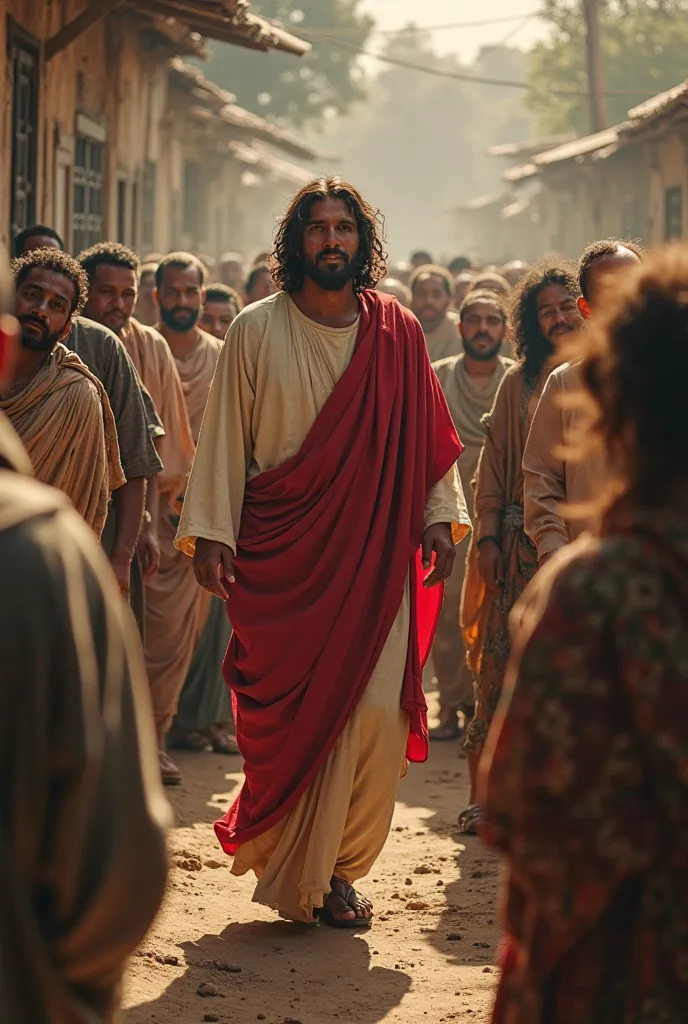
x: 391, y: 14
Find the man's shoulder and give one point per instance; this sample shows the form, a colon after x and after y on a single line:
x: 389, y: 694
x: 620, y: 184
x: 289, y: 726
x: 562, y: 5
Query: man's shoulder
x: 256, y: 315
x: 446, y: 367
x: 210, y: 340
x: 565, y: 376
x: 150, y: 335
x: 90, y: 332
x: 506, y: 363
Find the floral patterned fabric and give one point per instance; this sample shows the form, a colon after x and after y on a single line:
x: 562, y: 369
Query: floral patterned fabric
x: 585, y: 783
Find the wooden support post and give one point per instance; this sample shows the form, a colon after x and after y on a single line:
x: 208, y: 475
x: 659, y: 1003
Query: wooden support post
x: 96, y: 10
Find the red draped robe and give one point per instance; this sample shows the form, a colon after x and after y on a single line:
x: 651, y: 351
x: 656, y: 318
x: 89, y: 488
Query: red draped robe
x: 326, y: 544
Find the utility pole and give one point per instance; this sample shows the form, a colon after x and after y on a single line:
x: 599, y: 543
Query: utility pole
x: 598, y: 113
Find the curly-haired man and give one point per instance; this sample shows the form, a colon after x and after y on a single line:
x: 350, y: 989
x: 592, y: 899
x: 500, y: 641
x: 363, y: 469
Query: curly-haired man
x: 56, y: 405
x: 553, y: 483
x: 326, y: 460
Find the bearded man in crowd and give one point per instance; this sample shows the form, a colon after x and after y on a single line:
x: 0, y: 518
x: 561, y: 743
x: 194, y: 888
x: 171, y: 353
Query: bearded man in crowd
x: 176, y: 609
x: 432, y: 294
x: 469, y: 382
x: 58, y: 408
x: 326, y: 460
x: 113, y: 270
x: 555, y: 485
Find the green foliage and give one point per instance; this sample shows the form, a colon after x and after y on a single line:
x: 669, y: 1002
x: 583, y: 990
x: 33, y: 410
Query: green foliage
x: 297, y: 90
x: 644, y: 43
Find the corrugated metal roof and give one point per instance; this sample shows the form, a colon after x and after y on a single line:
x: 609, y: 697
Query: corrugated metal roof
x: 659, y: 103
x: 581, y: 147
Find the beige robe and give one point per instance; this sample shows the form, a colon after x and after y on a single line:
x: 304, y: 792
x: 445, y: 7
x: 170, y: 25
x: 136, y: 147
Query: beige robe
x: 445, y: 340
x: 551, y: 481
x: 65, y: 422
x: 176, y: 607
x: 82, y: 846
x: 467, y: 404
x: 277, y: 370
x: 154, y: 362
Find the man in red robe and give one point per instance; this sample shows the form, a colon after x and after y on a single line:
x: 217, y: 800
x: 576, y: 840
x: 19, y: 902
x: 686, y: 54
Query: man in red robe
x: 325, y: 466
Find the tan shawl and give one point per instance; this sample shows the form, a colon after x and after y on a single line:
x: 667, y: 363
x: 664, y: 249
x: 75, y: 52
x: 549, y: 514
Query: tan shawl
x: 196, y: 373
x: 468, y: 404
x: 65, y: 422
x: 156, y: 367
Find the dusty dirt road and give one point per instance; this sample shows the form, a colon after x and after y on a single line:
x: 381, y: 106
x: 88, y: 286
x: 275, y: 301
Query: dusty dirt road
x: 428, y: 959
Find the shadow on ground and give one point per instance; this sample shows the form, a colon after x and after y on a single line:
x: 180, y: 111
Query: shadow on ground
x: 338, y: 981
x: 467, y: 933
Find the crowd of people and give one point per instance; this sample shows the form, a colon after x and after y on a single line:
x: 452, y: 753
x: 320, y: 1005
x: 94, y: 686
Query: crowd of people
x: 479, y: 470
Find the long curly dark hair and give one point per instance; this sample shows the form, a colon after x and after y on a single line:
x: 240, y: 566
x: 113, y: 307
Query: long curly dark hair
x: 531, y: 346
x: 286, y: 259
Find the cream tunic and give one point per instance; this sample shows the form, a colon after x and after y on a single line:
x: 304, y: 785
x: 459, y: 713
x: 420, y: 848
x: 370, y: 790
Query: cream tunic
x: 276, y: 371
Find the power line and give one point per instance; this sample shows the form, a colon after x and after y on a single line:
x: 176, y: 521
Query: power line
x: 461, y: 76
x: 503, y: 20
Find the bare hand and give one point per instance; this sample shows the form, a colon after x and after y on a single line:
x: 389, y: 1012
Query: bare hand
x: 214, y: 567
x: 491, y: 564
x: 149, y: 551
x: 121, y: 566
x: 438, y: 539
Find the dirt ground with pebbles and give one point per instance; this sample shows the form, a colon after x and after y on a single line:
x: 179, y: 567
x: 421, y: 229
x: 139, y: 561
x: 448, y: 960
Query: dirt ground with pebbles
x: 429, y: 958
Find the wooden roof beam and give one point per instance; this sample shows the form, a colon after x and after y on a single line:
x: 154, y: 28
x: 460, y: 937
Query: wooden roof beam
x: 94, y: 12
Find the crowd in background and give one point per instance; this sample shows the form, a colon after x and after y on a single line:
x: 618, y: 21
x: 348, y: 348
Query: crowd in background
x: 575, y: 704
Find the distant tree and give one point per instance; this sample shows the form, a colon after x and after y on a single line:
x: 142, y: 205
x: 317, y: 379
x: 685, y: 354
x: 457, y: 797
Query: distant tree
x: 419, y: 142
x: 644, y: 44
x: 297, y: 90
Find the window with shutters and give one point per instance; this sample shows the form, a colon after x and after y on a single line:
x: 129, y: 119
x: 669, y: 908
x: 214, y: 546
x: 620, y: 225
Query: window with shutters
x: 87, y: 215
x: 25, y: 64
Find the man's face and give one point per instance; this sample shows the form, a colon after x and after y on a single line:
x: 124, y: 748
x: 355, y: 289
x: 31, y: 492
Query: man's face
x: 216, y: 318
x: 430, y: 300
x: 180, y: 297
x: 331, y: 244
x: 557, y: 312
x: 602, y: 273
x: 262, y: 287
x: 43, y: 307
x: 112, y: 296
x: 483, y: 329
x: 40, y: 242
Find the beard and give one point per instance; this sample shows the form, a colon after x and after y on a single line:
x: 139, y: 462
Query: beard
x: 482, y: 355
x: 179, y: 319
x: 332, y: 279
x: 37, y: 342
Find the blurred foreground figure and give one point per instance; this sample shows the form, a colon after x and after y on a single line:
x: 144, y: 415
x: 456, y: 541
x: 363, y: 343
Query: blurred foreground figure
x: 83, y: 816
x: 502, y: 559
x: 469, y: 382
x: 325, y: 433
x: 584, y: 780
x: 432, y: 293
x: 551, y: 480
